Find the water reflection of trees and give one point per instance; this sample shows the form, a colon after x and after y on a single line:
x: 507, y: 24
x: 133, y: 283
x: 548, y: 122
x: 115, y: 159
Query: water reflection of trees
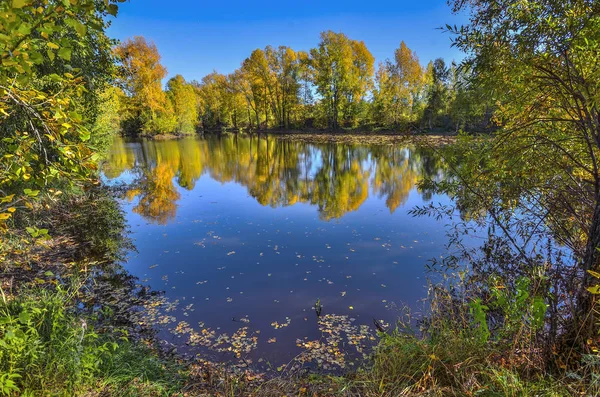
x: 333, y: 177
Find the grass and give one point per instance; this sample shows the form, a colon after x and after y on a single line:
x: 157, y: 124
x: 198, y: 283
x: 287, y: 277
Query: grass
x: 449, y: 364
x: 47, y: 348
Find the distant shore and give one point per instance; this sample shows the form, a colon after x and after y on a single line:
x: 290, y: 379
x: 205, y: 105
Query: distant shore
x: 322, y: 136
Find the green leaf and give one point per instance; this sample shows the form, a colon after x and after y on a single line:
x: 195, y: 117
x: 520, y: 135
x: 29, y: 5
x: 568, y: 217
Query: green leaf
x: 113, y: 9
x: 31, y: 193
x: 24, y: 317
x: 65, y: 53
x: 24, y: 29
x: 36, y: 57
x: 80, y: 28
x: 84, y: 135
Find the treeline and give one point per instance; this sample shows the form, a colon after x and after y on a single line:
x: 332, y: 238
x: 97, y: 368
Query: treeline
x: 333, y: 86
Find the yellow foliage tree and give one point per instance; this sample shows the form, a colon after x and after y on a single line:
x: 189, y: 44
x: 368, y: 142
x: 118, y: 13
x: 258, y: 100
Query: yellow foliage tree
x: 146, y: 107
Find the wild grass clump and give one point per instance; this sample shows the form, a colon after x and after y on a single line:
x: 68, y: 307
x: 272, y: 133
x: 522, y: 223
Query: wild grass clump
x: 468, y: 347
x: 46, y: 348
x: 449, y: 363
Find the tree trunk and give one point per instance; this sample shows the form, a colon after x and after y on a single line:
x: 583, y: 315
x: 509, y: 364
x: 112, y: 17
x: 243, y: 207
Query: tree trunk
x: 266, y: 112
x: 585, y: 320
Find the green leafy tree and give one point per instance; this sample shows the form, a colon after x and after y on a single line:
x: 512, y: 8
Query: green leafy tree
x: 45, y: 96
x: 538, y: 61
x: 183, y: 98
x: 437, y: 92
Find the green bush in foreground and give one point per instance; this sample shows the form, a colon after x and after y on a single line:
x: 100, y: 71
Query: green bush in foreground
x: 47, y: 349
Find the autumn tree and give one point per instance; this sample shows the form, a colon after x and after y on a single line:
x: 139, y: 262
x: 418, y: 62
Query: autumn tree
x: 184, y: 101
x: 243, y: 83
x: 399, y: 87
x: 284, y: 65
x: 147, y: 107
x: 211, y: 98
x: 305, y: 89
x: 342, y: 72
x: 256, y: 70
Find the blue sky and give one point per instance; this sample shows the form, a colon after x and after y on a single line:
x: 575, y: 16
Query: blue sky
x: 197, y: 37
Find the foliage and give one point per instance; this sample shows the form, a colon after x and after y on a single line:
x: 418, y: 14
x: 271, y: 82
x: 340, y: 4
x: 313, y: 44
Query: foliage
x: 46, y: 48
x: 108, y: 119
x: 398, y: 94
x: 183, y: 97
x: 343, y: 72
x: 330, y: 87
x: 147, y: 108
x: 48, y: 348
x: 539, y: 175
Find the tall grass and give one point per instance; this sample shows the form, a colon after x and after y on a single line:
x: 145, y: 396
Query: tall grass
x: 46, y: 348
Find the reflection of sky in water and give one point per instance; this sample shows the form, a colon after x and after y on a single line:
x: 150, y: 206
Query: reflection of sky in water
x: 212, y: 244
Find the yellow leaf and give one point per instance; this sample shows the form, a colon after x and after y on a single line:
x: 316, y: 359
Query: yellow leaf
x: 594, y: 274
x: 19, y: 3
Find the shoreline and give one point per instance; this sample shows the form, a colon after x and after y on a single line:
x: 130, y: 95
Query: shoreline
x: 345, y: 137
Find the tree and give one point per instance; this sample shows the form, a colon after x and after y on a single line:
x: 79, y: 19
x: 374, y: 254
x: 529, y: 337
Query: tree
x: 437, y: 92
x: 342, y: 72
x: 184, y: 101
x: 468, y: 108
x: 285, y: 66
x: 147, y: 107
x: 538, y: 61
x: 107, y: 121
x: 256, y: 68
x: 399, y: 86
x: 273, y: 83
x: 44, y: 121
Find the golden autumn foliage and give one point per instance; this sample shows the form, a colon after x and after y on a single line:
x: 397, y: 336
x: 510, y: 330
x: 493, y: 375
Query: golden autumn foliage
x: 147, y: 107
x: 332, y: 86
x: 399, y: 88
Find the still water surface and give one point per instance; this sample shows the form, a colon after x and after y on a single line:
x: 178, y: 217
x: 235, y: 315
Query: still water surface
x: 245, y: 234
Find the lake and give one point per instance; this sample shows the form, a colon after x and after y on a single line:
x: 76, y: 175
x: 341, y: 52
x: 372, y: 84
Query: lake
x: 250, y: 236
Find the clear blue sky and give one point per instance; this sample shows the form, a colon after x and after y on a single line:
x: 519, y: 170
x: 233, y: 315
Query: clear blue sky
x: 197, y: 37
